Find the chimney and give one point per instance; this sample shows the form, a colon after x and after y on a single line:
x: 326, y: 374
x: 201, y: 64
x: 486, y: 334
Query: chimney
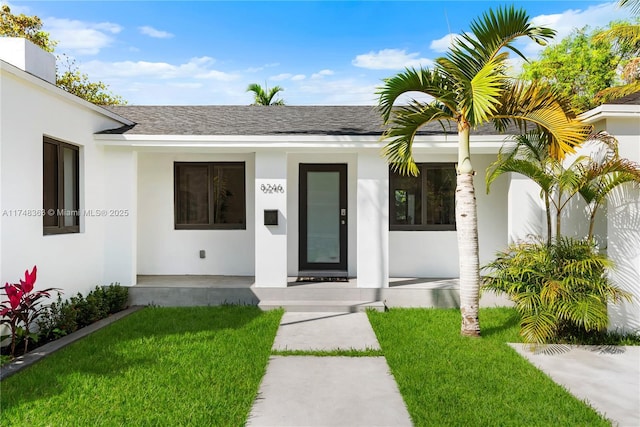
x: 28, y: 57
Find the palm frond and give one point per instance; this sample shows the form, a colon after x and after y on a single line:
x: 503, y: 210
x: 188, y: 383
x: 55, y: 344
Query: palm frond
x: 538, y: 326
x: 537, y: 104
x: 411, y: 80
x: 634, y: 5
x: 494, y: 31
x: 535, y: 172
x: 405, y: 122
x: 482, y: 95
x: 615, y: 92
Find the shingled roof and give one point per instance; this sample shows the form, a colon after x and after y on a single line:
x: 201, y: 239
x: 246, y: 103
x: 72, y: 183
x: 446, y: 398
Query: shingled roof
x: 633, y: 99
x: 259, y: 120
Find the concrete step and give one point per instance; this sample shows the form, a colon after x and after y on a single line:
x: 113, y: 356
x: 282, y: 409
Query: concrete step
x: 166, y: 296
x: 330, y: 306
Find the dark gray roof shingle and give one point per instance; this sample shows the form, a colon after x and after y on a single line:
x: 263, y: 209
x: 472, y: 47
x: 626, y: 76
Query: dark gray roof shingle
x: 633, y: 99
x: 257, y: 120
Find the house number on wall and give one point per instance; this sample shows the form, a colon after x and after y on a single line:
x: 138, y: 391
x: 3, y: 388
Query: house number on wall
x: 271, y: 188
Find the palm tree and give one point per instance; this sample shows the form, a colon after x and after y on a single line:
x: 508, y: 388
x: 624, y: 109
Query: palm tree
x: 593, y: 177
x: 470, y: 87
x: 265, y: 96
x: 598, y: 178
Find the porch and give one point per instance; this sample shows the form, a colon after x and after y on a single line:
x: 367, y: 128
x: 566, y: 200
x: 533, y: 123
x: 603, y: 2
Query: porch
x: 333, y: 296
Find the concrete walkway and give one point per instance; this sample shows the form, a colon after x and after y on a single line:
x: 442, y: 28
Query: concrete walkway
x: 607, y: 377
x: 327, y: 391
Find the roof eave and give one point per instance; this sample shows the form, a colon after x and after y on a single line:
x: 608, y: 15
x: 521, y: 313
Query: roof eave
x: 606, y: 111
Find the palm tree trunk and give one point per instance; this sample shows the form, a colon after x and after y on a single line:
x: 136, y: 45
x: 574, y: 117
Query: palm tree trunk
x: 547, y: 206
x: 559, y: 216
x: 467, y: 231
x: 592, y: 221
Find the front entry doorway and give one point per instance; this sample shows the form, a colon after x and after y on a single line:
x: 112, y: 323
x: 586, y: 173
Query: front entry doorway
x: 322, y: 245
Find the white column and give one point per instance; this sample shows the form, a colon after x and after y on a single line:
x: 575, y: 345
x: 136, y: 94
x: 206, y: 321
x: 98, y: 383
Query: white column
x: 120, y: 216
x: 271, y: 240
x: 623, y: 227
x: 373, y: 221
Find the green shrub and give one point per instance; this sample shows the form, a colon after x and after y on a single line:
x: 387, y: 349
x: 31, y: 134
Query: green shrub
x: 116, y: 297
x: 58, y: 319
x: 561, y: 290
x: 64, y: 317
x: 88, y: 310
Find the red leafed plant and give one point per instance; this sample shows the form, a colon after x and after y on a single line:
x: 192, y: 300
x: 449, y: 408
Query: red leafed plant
x: 21, y: 308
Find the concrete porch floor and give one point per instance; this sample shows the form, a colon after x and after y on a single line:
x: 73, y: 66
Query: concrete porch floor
x: 192, y: 290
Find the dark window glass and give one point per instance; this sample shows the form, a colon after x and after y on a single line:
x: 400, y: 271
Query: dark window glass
x: 425, y: 202
x: 209, y: 195
x: 60, y: 187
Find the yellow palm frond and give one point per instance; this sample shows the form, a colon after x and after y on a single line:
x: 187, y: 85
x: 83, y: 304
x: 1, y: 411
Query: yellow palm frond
x: 540, y: 105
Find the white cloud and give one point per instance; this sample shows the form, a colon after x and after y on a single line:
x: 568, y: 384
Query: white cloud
x: 443, y: 44
x: 152, y: 32
x: 198, y: 68
x: 262, y: 67
x: 350, y: 91
x: 288, y: 76
x: 390, y: 59
x: 280, y: 77
x: 82, y: 38
x: 322, y: 73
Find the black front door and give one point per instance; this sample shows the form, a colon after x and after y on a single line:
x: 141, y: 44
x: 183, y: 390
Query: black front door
x: 323, y: 220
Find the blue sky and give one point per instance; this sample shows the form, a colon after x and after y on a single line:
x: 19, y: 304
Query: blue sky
x: 321, y: 53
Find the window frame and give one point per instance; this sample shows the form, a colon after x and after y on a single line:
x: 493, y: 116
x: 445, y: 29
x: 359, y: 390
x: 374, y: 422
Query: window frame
x: 424, y: 194
x: 60, y: 228
x: 211, y: 225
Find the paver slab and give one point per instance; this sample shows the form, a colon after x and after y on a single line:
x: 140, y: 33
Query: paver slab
x: 325, y: 331
x: 607, y: 377
x: 328, y: 391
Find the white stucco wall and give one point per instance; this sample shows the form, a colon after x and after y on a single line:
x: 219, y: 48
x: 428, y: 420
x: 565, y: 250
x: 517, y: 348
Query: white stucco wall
x: 30, y: 109
x: 623, y: 226
x: 435, y: 253
x: 163, y: 250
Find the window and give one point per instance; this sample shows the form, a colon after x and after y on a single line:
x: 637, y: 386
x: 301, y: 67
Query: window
x: 60, y: 195
x: 425, y: 202
x: 209, y: 195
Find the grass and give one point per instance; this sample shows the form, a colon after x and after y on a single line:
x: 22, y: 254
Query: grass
x: 447, y: 379
x: 352, y: 352
x: 159, y: 366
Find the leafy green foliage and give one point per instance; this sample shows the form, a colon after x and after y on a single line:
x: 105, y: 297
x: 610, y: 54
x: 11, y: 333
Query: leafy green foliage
x: 265, y: 96
x: 64, y: 317
x: 585, y: 63
x: 561, y: 289
x: 28, y: 27
x: 78, y: 83
x: 70, y: 78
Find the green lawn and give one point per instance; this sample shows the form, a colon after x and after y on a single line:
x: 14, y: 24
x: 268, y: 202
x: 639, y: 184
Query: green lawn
x: 203, y: 366
x: 449, y: 380
x: 159, y: 366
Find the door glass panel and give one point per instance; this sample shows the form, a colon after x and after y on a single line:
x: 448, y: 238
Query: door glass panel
x: 323, y: 217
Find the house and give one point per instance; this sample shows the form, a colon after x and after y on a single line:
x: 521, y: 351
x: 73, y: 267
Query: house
x: 96, y: 195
